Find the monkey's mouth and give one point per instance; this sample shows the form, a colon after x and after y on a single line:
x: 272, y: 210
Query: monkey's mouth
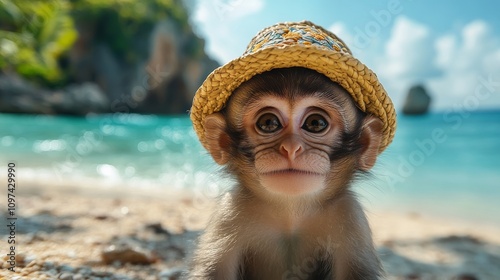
x: 291, y: 181
x: 292, y: 171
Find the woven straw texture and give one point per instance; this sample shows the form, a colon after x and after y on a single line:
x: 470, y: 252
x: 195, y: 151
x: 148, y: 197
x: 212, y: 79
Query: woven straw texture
x: 301, y: 44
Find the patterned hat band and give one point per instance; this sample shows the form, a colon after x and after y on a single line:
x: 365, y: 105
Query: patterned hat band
x: 283, y: 35
x: 296, y: 44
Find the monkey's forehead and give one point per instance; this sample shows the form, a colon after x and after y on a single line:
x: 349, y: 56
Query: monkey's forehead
x: 296, y: 44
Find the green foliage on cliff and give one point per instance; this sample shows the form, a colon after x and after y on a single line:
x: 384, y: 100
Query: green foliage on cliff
x: 36, y: 35
x: 33, y: 35
x: 124, y: 25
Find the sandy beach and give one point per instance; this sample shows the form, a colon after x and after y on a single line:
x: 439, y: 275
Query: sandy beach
x: 85, y: 233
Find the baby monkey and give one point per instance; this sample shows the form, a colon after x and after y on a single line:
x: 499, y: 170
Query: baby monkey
x: 294, y: 140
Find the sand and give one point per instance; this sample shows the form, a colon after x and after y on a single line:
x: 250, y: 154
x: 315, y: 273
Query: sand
x: 75, y: 233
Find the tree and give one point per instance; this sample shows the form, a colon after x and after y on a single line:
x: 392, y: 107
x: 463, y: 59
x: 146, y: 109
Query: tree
x: 34, y: 35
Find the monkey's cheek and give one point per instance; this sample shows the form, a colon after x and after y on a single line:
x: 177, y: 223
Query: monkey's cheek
x: 296, y: 184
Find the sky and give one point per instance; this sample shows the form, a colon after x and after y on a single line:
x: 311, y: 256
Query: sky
x: 450, y: 47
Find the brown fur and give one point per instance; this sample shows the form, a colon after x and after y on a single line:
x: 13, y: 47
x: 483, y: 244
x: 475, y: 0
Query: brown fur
x: 263, y: 230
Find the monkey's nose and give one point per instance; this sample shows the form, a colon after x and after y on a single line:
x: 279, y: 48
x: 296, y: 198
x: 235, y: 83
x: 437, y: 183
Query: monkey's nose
x: 291, y: 147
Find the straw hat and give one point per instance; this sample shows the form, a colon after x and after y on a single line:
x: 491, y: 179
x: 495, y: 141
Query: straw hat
x: 296, y: 44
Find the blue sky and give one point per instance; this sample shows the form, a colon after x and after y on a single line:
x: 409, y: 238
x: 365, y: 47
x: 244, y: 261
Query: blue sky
x: 452, y: 47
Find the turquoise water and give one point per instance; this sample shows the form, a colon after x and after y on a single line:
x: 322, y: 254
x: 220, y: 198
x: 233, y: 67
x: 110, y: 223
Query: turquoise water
x: 107, y: 150
x: 440, y: 161
x: 443, y: 162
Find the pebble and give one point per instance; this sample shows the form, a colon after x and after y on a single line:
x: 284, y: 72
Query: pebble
x: 65, y: 276
x: 85, y: 271
x: 157, y: 228
x: 126, y: 254
x: 20, y: 260
x: 101, y: 217
x: 66, y: 268
x: 101, y: 273
x: 48, y: 265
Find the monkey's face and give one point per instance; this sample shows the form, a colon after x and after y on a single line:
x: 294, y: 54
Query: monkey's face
x: 292, y: 142
x: 292, y: 132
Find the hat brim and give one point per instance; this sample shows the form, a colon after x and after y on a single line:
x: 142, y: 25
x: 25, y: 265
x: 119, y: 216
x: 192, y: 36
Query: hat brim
x: 363, y: 85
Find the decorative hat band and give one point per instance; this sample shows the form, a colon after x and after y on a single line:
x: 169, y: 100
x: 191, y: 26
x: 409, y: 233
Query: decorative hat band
x: 284, y: 35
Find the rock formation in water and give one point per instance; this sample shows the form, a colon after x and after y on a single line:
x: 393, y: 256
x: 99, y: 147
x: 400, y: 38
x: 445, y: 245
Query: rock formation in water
x: 417, y: 101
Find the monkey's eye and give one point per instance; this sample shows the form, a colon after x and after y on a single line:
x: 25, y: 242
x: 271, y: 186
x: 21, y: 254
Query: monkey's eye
x: 315, y: 123
x: 268, y: 123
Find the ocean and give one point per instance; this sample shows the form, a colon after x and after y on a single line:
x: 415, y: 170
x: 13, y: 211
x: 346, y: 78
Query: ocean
x: 446, y: 163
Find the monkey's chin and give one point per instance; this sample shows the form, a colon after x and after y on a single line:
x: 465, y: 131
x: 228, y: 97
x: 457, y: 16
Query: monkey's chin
x: 293, y: 184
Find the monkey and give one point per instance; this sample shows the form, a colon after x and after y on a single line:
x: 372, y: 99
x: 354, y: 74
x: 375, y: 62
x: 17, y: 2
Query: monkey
x: 294, y: 140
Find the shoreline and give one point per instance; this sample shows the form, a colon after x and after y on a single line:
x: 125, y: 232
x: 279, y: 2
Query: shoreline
x: 478, y: 210
x: 74, y: 233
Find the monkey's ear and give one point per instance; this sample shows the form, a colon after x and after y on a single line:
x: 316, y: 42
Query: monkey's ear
x: 218, y: 142
x: 371, y: 137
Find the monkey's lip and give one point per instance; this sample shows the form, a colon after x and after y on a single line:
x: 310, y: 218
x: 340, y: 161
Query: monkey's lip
x: 291, y: 171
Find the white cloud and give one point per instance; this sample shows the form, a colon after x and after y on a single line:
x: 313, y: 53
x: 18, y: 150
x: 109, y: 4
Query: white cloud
x: 466, y: 59
x: 234, y: 9
x: 409, y: 51
x: 450, y: 66
x: 445, y: 47
x: 475, y: 34
x: 226, y: 10
x: 216, y: 21
x: 492, y: 62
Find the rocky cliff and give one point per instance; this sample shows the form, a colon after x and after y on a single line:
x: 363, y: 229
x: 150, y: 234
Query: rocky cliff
x: 126, y: 57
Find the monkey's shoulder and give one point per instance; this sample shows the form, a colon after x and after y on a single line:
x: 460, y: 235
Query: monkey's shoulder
x: 227, y: 212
